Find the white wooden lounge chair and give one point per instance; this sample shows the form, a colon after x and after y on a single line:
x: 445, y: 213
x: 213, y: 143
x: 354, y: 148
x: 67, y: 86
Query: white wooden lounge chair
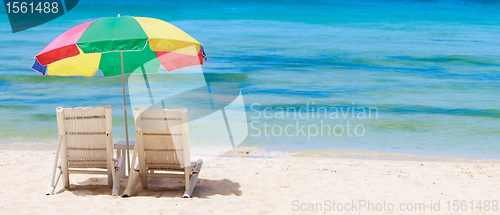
x: 162, y: 148
x: 86, y: 146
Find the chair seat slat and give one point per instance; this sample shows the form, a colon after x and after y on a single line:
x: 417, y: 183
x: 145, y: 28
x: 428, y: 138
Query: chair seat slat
x: 159, y: 118
x: 162, y: 150
x: 79, y: 132
x: 88, y: 149
x: 160, y: 134
x: 84, y: 117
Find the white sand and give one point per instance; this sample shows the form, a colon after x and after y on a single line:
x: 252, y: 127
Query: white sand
x: 235, y: 185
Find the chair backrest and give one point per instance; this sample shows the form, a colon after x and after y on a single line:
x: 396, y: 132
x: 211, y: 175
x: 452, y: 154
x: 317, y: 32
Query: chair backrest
x: 87, y: 134
x: 162, y: 138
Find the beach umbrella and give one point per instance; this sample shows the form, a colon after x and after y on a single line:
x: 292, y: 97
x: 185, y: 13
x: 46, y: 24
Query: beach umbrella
x: 118, y: 46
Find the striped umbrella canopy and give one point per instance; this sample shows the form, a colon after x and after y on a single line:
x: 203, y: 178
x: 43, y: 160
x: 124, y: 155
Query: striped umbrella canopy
x: 96, y: 46
x: 118, y: 46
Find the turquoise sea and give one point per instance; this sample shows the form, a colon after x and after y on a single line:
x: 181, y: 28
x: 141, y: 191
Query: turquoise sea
x: 430, y: 69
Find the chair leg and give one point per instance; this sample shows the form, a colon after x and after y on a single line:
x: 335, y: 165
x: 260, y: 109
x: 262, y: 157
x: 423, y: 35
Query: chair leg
x: 193, y: 179
x: 53, y: 184
x: 117, y: 176
x: 133, y: 179
x: 56, y: 173
x: 110, y: 177
x: 144, y: 180
x: 65, y: 177
x: 188, y: 187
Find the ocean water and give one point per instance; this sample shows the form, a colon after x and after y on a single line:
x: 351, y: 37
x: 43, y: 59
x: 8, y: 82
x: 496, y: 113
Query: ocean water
x: 428, y: 72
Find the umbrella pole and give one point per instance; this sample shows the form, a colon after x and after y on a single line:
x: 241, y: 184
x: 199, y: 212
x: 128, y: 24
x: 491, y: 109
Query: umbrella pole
x: 125, y: 112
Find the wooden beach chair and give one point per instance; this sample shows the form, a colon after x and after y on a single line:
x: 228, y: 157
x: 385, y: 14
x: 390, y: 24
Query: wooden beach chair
x: 162, y: 149
x: 86, y: 146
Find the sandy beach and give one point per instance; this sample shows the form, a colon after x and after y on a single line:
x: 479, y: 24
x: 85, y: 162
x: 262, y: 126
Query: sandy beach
x: 250, y: 184
x: 295, y: 107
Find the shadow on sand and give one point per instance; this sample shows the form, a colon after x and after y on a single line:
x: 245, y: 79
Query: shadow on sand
x: 157, y: 187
